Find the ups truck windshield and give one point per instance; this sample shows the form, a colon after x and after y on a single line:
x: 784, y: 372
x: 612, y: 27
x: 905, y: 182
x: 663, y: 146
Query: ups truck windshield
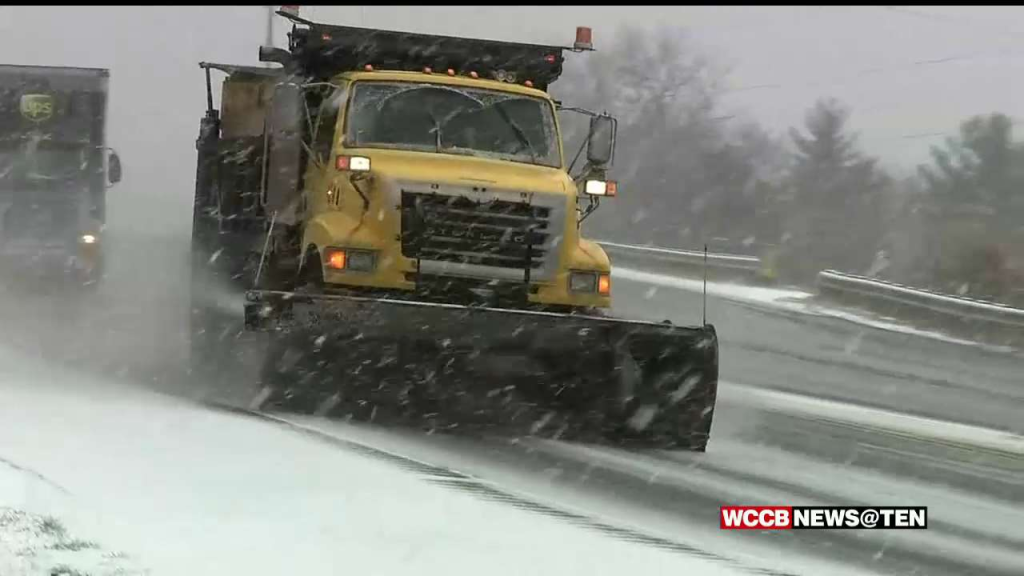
x: 41, y: 161
x: 453, y: 120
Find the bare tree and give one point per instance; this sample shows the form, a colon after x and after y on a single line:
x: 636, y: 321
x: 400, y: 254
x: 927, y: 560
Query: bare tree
x: 685, y: 179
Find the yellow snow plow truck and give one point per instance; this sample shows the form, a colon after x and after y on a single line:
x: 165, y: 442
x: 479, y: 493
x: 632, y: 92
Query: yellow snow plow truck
x: 390, y: 218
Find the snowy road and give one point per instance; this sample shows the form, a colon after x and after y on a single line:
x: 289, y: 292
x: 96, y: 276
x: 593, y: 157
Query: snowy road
x: 774, y: 339
x: 175, y: 487
x: 765, y: 457
x: 813, y: 409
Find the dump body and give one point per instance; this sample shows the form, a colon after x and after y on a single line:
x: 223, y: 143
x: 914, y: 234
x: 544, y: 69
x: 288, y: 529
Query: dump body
x: 53, y: 169
x: 416, y: 235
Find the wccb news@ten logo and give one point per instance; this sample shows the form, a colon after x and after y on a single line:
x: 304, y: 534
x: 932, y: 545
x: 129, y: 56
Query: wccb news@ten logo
x: 824, y: 517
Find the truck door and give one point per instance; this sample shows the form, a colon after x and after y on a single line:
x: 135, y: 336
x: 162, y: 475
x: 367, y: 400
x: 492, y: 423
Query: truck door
x: 322, y: 187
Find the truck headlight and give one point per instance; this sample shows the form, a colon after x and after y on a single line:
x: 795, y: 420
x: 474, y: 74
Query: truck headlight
x: 600, y: 188
x: 590, y: 282
x: 361, y: 260
x: 87, y: 239
x: 352, y: 163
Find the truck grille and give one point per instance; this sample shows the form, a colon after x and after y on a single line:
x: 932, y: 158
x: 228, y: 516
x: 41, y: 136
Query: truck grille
x: 487, y: 232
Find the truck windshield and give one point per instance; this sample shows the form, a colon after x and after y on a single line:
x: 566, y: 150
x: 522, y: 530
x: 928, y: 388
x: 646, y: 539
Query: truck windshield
x: 453, y: 120
x: 41, y: 160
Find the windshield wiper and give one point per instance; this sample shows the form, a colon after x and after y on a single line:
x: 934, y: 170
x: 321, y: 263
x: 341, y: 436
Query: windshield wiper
x: 440, y: 124
x: 436, y: 130
x: 518, y: 131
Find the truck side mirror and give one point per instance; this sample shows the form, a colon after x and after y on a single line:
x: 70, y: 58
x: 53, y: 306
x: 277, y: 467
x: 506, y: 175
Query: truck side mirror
x: 601, y: 141
x: 113, y: 168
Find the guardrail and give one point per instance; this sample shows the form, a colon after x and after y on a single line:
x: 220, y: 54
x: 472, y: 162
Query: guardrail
x: 689, y: 262
x: 931, y: 307
x: 832, y: 282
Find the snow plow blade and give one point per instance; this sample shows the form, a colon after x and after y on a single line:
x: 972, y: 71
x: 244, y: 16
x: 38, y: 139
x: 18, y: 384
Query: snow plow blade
x: 455, y: 367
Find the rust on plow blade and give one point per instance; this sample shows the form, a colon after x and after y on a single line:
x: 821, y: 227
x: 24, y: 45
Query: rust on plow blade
x: 445, y: 366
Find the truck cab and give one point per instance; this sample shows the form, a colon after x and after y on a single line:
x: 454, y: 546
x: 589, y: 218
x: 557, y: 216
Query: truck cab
x: 412, y: 165
x: 422, y: 177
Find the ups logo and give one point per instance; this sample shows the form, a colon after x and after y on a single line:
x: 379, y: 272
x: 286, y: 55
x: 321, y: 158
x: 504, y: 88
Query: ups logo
x: 37, y: 107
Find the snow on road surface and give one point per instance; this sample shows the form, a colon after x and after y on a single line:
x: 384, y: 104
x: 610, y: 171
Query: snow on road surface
x: 876, y: 418
x: 746, y: 465
x: 792, y: 301
x: 730, y: 291
x: 183, y: 490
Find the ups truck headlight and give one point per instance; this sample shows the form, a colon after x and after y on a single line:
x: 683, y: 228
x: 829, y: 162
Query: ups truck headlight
x: 590, y: 282
x: 351, y: 260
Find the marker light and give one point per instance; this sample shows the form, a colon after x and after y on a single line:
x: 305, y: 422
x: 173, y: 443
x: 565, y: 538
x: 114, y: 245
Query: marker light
x: 505, y: 76
x: 427, y: 70
x: 604, y: 284
x: 451, y: 72
x: 584, y: 38
x: 352, y: 163
x: 529, y: 84
x: 368, y: 68
x: 474, y: 75
x: 550, y: 58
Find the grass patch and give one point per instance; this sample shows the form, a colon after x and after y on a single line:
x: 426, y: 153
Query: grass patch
x: 64, y: 570
x: 52, y: 526
x: 73, y: 545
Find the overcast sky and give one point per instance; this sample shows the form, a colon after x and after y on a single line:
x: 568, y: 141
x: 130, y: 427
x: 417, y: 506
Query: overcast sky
x: 909, y: 74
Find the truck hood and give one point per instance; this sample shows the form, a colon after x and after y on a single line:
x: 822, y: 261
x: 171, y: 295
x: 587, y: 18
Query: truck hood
x: 402, y: 165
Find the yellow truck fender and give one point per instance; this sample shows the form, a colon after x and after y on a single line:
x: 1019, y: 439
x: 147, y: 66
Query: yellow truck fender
x: 588, y: 255
x: 336, y: 229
